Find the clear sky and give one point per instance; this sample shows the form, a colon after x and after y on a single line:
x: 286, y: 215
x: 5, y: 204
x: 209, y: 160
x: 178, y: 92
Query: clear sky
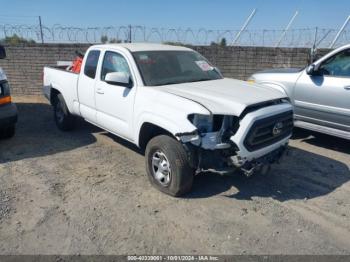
x: 210, y: 14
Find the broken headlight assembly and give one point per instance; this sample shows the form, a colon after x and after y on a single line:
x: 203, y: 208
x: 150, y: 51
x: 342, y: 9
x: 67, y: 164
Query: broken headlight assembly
x: 214, y: 131
x: 203, y: 123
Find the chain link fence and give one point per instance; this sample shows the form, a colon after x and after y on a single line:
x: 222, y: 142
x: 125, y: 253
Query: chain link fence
x: 308, y: 37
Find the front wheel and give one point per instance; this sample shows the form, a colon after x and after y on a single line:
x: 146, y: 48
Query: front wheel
x: 167, y: 166
x: 64, y: 120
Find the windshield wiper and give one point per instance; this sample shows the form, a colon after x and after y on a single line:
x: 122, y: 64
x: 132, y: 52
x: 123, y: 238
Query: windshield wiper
x: 200, y: 80
x: 167, y: 83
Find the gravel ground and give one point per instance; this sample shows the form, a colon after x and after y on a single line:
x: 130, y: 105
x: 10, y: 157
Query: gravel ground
x: 86, y: 192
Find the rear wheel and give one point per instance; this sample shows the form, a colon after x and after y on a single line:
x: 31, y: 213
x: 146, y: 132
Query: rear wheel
x: 167, y: 166
x: 64, y: 120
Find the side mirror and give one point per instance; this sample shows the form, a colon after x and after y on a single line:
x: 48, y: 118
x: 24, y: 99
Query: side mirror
x: 2, y: 52
x: 119, y: 78
x: 312, y: 70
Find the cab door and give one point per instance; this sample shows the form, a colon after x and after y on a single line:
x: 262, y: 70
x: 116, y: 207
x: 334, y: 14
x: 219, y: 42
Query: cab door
x: 324, y: 98
x: 86, y: 86
x: 115, y: 102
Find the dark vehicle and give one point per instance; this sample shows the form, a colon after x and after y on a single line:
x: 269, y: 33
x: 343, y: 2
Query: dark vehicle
x: 8, y: 110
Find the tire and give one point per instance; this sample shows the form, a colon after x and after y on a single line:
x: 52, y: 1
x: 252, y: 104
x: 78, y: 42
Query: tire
x: 64, y: 120
x: 173, y: 160
x: 8, y: 132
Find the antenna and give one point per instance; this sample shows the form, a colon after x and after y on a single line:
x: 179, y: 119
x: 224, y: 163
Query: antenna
x: 287, y: 28
x: 250, y: 17
x: 339, y: 32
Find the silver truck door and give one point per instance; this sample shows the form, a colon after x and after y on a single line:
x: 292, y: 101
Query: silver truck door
x: 324, y: 97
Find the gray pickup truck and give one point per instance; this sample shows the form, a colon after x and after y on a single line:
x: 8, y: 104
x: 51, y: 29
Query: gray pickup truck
x: 320, y: 92
x: 8, y: 110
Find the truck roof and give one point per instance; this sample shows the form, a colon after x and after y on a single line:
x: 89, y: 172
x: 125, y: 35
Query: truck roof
x: 136, y: 47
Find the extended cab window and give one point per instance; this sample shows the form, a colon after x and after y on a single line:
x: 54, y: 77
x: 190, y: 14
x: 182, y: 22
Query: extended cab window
x: 114, y: 62
x: 337, y: 65
x: 91, y: 63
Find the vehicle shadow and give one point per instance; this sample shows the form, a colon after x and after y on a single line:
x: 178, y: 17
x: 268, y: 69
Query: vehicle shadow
x: 302, y: 175
x: 322, y: 140
x: 317, y: 80
x: 124, y: 143
x: 37, y: 135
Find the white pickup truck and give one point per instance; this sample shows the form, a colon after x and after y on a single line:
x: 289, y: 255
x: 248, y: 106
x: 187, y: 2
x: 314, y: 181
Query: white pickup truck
x: 171, y: 102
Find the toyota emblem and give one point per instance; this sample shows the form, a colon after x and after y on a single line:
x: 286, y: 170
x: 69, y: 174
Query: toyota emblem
x: 277, y: 129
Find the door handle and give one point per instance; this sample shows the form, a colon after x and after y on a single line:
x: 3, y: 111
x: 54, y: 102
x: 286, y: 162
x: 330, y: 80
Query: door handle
x: 347, y: 87
x: 99, y: 91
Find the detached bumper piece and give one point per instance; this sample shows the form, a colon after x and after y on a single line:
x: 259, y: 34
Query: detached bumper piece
x: 250, y: 167
x: 223, y: 161
x: 217, y: 161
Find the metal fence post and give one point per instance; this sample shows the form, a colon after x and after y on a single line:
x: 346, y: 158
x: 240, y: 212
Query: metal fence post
x: 41, y: 30
x: 244, y: 27
x: 286, y: 29
x: 339, y: 32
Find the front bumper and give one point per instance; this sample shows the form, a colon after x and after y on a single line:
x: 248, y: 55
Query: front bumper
x: 8, y: 115
x: 249, y: 167
x: 223, y: 162
x: 207, y: 155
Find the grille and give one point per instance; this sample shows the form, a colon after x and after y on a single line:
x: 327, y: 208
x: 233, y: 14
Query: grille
x: 268, y: 131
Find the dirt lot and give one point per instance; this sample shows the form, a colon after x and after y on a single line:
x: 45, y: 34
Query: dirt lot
x: 86, y: 192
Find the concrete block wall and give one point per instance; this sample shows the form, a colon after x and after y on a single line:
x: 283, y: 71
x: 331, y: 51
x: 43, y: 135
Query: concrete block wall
x: 241, y: 62
x: 24, y: 63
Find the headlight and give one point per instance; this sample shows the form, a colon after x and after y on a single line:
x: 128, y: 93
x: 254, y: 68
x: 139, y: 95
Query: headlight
x: 251, y: 80
x: 204, y: 123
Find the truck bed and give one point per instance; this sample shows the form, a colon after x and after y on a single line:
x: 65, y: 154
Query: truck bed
x: 65, y: 81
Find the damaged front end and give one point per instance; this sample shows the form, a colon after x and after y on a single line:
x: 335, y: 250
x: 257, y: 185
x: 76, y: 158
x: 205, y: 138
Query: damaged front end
x: 211, y: 147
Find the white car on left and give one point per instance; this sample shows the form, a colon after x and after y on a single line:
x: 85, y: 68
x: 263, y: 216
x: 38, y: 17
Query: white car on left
x: 8, y: 110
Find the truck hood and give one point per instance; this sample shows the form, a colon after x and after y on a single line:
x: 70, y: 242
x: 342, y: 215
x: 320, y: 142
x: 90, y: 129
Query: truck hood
x: 223, y: 96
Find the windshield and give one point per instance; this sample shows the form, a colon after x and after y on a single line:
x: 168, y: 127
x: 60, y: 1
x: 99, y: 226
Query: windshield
x: 174, y: 67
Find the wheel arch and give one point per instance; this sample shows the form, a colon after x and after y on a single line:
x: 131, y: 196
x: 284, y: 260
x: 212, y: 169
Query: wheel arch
x: 150, y: 130
x: 53, y: 95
